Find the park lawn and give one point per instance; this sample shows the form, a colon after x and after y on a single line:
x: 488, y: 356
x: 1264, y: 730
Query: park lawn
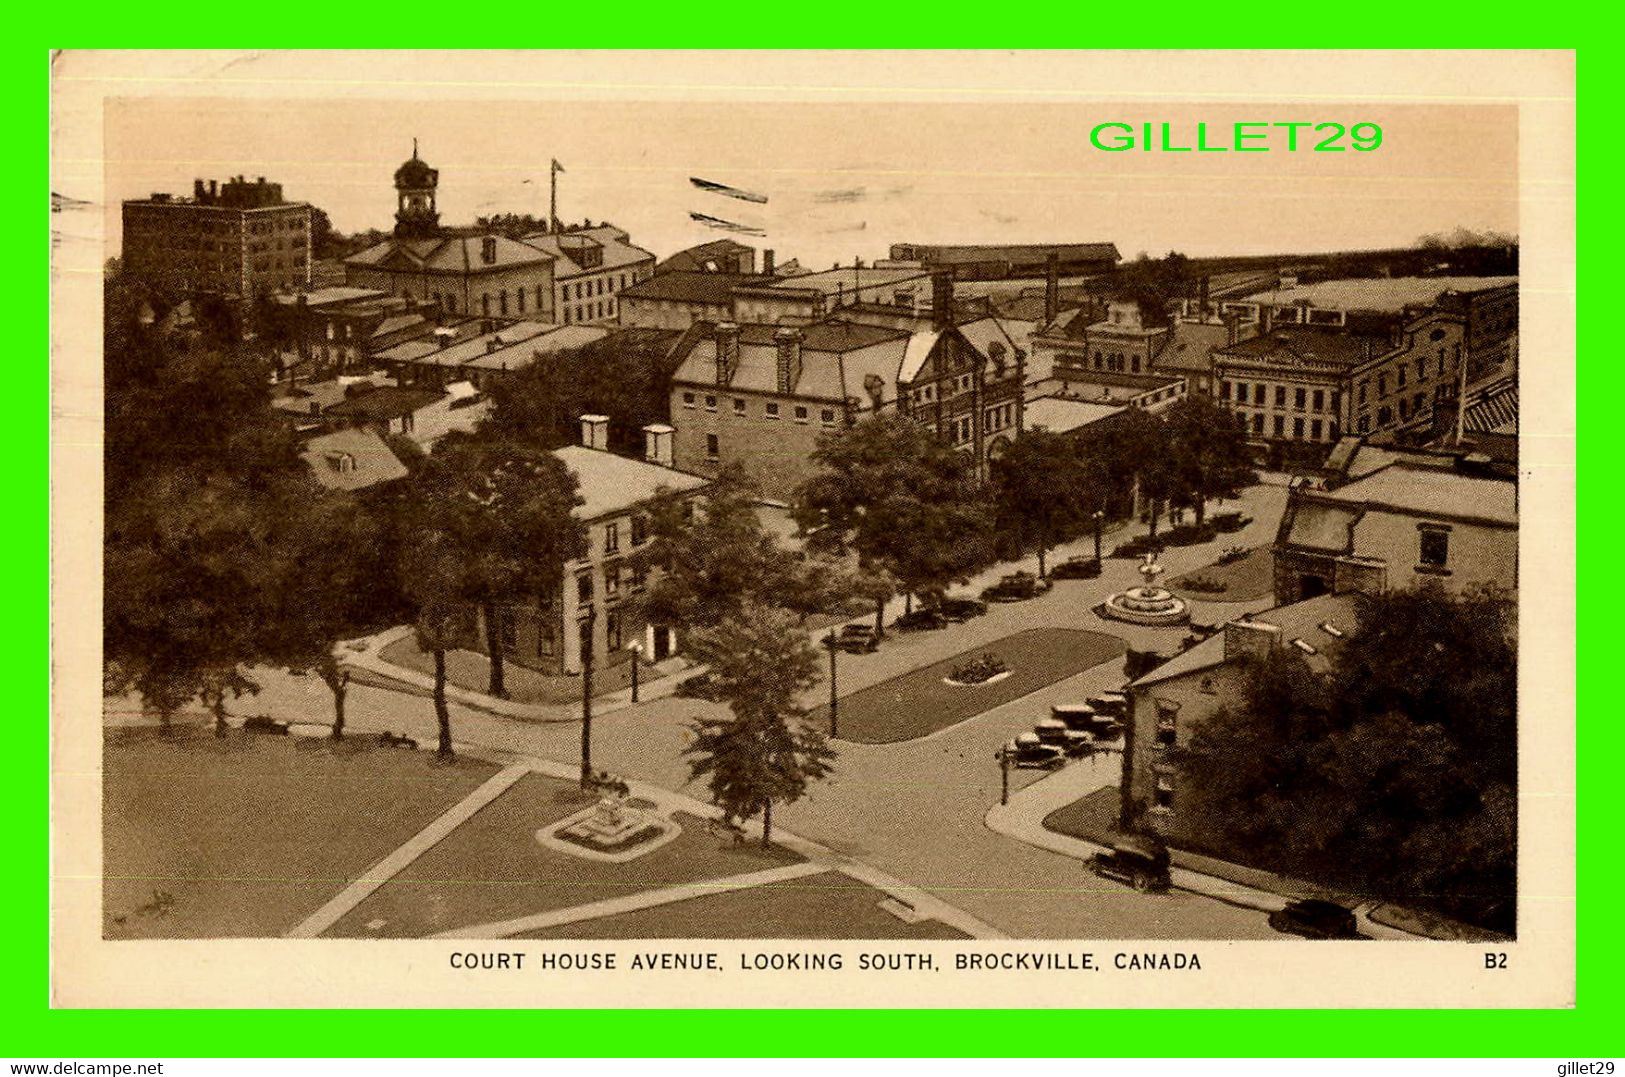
x: 917, y: 703
x: 492, y: 868
x: 249, y: 834
x: 829, y: 905
x: 1251, y: 577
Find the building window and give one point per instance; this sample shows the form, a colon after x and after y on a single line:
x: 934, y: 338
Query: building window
x: 1280, y: 425
x: 713, y: 448
x: 1224, y: 390
x: 1320, y: 399
x: 519, y: 297
x: 584, y: 589
x: 772, y: 410
x: 1399, y: 375
x: 1416, y: 404
x: 1435, y: 546
x: 1298, y: 398
x: 688, y: 400
x: 612, y: 538
x: 1382, y: 384
x: 1258, y: 422
x: 1280, y: 396
x: 1385, y: 416
x: 640, y: 575
x: 1314, y: 430
x: 739, y: 406
x: 1167, y: 726
x: 1404, y: 409
x: 1297, y: 427
x: 502, y: 302
x: 612, y: 580
x: 801, y: 413
x: 827, y: 416
x: 612, y: 630
x: 640, y: 529
x: 1163, y: 794
x: 1258, y: 394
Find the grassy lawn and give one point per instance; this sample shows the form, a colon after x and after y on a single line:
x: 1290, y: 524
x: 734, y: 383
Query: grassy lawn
x: 1094, y: 818
x: 492, y: 868
x: 829, y: 905
x: 469, y: 670
x: 918, y: 703
x: 1251, y: 577
x: 250, y: 834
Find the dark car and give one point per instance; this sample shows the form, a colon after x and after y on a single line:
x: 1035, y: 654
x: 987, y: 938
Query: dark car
x: 1028, y: 752
x: 1074, y: 742
x: 923, y: 619
x: 1076, y: 568
x: 1087, y: 719
x: 1114, y: 704
x: 858, y: 639
x: 958, y: 609
x: 1016, y: 587
x: 1229, y: 521
x: 1140, y: 862
x: 1314, y: 918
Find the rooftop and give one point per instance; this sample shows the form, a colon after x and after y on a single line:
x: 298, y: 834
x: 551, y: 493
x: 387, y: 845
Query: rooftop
x: 385, y: 402
x: 434, y: 352
x: 1300, y: 620
x: 565, y: 247
x: 449, y: 254
x: 684, y: 286
x: 1191, y: 347
x: 322, y: 297
x: 1058, y: 415
x: 351, y: 460
x: 1379, y: 295
x: 1306, y: 347
x: 1432, y: 492
x: 609, y: 483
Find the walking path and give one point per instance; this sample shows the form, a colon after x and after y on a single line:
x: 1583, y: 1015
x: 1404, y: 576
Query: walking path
x: 398, y: 861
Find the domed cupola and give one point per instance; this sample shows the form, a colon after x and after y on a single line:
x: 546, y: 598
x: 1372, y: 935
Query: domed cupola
x: 415, y: 183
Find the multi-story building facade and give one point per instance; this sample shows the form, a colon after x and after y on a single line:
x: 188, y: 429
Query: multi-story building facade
x: 676, y: 299
x: 595, y: 613
x: 1404, y: 390
x: 591, y: 267
x: 489, y: 276
x: 239, y: 240
x: 1391, y: 518
x: 1289, y: 385
x: 332, y: 331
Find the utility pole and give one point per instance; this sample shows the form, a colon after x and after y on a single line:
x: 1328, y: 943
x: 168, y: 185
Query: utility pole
x: 586, y: 696
x: 1004, y: 774
x: 834, y: 700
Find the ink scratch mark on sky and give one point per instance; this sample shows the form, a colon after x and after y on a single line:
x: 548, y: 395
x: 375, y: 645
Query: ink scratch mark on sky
x: 726, y: 225
x: 723, y: 189
x: 849, y: 194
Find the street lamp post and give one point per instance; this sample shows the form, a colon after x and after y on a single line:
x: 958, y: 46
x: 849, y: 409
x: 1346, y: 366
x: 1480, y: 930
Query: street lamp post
x: 637, y: 654
x: 1099, y: 516
x: 586, y: 695
x: 1004, y: 774
x: 834, y: 701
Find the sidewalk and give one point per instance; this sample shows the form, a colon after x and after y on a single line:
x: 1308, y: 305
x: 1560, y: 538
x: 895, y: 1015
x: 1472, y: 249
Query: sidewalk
x: 366, y: 655
x: 1234, y: 884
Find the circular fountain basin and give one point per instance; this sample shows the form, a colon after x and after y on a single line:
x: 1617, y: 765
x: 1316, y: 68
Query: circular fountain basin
x: 1153, y: 606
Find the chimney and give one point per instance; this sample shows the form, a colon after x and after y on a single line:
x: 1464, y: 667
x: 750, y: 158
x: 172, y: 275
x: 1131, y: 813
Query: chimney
x: 1232, y: 327
x: 197, y: 190
x: 787, y: 342
x: 1052, y: 287
x: 942, y: 301
x: 767, y: 262
x: 595, y: 432
x: 658, y: 440
x: 488, y: 249
x: 727, y: 351
x: 1201, y: 299
x: 1250, y: 637
x: 214, y: 190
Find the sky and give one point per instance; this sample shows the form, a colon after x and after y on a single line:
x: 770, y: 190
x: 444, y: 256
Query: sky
x: 846, y: 179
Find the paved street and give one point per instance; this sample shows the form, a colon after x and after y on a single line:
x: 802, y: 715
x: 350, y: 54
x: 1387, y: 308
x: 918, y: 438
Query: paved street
x: 913, y: 809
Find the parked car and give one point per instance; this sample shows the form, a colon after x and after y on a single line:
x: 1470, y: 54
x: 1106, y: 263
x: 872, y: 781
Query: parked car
x: 699, y: 686
x: 1314, y: 918
x: 858, y: 639
x: 1087, y: 719
x: 1114, y: 704
x: 1229, y: 521
x: 1074, y: 742
x: 1028, y: 752
x: 1076, y: 568
x: 959, y: 608
x: 1016, y: 587
x: 924, y: 618
x: 1140, y: 862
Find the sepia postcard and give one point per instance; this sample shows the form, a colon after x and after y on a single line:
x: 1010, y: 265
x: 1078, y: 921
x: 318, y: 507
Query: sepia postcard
x: 817, y: 529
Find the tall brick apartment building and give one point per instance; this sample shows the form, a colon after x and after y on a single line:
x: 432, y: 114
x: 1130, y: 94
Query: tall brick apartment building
x: 238, y: 240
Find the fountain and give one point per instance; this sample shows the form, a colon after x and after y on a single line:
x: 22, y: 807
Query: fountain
x: 610, y: 830
x: 1147, y: 604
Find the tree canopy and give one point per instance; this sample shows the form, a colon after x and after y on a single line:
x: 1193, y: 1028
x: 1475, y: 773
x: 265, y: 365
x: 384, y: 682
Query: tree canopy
x: 1393, y: 774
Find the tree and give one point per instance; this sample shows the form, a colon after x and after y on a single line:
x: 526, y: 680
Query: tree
x: 906, y: 502
x: 1041, y: 487
x: 1392, y: 773
x: 508, y: 509
x: 435, y: 573
x: 1207, y: 453
x: 1135, y: 455
x: 198, y: 475
x: 760, y: 663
